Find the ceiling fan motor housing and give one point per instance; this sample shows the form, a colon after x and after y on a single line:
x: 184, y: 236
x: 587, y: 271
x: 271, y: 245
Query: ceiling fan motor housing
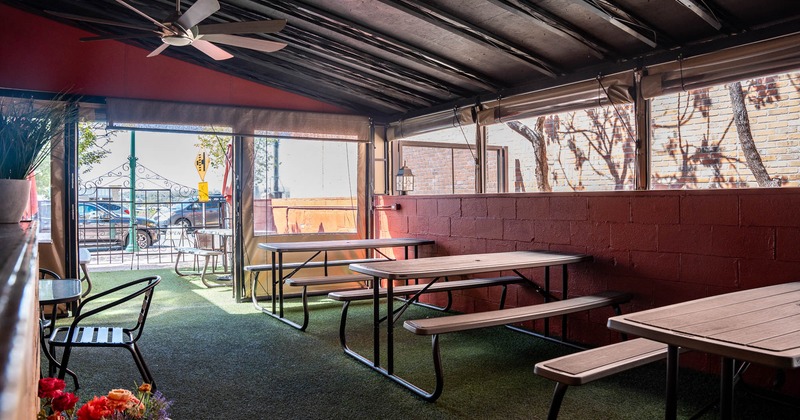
x: 180, y: 37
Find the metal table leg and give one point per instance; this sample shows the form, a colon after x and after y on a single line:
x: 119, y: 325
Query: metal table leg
x: 672, y: 383
x: 726, y: 388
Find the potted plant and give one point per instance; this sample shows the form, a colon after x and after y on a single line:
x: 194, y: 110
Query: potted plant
x: 28, y: 130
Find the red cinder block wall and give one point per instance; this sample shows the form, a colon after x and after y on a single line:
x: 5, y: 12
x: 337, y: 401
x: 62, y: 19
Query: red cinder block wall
x: 662, y: 246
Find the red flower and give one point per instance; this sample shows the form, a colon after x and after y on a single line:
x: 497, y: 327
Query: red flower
x: 65, y: 401
x: 56, y: 416
x: 95, y: 409
x: 51, y: 387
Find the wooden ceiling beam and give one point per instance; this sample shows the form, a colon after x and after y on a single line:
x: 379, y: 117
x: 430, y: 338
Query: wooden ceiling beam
x: 484, y: 37
x: 550, y: 22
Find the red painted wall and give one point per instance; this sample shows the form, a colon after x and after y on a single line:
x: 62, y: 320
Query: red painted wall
x: 663, y: 246
x: 44, y: 55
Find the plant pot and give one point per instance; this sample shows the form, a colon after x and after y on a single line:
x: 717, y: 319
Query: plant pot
x: 14, y: 195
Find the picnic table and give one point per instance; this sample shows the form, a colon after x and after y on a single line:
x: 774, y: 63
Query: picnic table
x: 759, y: 326
x: 436, y: 268
x: 277, y: 266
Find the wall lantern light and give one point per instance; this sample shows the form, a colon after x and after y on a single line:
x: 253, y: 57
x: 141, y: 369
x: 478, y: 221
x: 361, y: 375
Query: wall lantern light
x: 405, y: 180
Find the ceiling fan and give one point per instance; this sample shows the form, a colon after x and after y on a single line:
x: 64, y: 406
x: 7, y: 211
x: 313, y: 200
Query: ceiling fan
x: 181, y: 29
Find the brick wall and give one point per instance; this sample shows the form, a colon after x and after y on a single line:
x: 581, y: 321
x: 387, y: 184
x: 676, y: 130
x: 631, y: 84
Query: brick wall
x: 663, y: 246
x: 712, y: 155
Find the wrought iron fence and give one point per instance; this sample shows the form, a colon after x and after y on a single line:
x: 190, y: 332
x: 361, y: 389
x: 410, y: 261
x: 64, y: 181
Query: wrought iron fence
x: 159, y: 220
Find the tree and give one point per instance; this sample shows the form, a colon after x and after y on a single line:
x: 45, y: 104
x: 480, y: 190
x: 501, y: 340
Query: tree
x: 93, y: 140
x: 537, y: 140
x: 742, y: 121
x: 216, y: 146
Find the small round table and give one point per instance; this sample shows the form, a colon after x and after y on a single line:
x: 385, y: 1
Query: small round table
x: 52, y: 293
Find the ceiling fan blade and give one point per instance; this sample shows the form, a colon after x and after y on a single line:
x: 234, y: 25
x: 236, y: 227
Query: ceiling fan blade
x: 254, y: 27
x: 244, y: 42
x: 211, y: 50
x: 129, y: 36
x: 93, y: 20
x: 197, y: 13
x: 158, y: 50
x: 142, y: 14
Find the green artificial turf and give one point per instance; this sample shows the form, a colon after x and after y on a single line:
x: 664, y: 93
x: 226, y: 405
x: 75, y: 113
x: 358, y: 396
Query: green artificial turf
x: 218, y: 359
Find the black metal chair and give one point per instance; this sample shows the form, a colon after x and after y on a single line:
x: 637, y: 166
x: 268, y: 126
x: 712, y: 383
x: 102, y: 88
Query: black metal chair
x: 80, y: 335
x: 46, y: 326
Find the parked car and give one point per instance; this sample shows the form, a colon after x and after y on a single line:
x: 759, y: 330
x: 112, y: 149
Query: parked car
x: 100, y: 227
x: 115, y: 208
x: 189, y: 213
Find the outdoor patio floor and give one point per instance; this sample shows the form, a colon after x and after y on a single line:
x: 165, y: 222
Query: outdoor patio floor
x: 219, y: 359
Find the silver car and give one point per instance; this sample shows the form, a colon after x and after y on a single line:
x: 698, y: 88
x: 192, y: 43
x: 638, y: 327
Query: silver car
x: 189, y: 214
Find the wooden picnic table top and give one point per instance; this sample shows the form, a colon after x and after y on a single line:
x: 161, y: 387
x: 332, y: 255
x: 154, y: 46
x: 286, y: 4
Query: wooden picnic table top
x: 759, y: 325
x: 452, y: 265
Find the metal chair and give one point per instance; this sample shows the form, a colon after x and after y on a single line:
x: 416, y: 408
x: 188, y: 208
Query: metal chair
x: 80, y: 335
x: 46, y: 326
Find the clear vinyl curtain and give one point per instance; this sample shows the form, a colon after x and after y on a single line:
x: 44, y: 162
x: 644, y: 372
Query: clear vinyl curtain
x: 130, y: 114
x: 430, y: 122
x: 777, y: 55
x: 604, y: 90
x: 616, y: 89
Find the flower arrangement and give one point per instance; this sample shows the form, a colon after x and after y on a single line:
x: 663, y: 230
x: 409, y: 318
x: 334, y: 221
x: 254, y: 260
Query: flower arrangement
x: 119, y: 404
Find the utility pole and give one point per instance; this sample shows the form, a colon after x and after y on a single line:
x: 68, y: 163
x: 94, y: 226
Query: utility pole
x: 133, y: 244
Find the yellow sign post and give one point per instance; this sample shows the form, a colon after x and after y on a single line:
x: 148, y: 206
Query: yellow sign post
x: 200, y: 164
x: 202, y: 192
x: 202, y: 186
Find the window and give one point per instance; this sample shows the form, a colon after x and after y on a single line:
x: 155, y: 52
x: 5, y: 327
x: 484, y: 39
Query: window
x: 304, y: 186
x: 697, y: 142
x: 587, y: 150
x: 444, y: 162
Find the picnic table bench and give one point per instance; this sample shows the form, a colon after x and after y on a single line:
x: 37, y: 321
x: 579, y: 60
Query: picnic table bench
x: 463, y: 322
x: 348, y: 296
x: 593, y: 364
x: 207, y: 255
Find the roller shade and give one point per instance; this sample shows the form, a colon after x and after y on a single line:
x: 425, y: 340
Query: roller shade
x: 204, y: 119
x: 430, y: 122
x: 575, y: 96
x: 778, y: 55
